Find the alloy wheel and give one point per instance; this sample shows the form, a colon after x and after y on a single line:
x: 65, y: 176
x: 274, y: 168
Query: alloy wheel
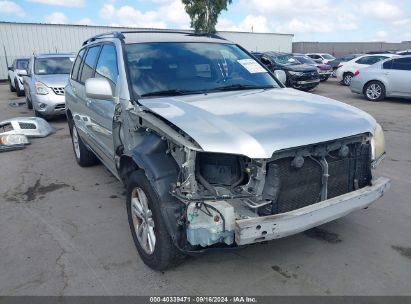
x: 374, y: 91
x: 143, y: 220
x: 76, y: 144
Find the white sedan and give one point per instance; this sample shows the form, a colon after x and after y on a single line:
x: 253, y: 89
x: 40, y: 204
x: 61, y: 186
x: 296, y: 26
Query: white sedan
x: 347, y: 70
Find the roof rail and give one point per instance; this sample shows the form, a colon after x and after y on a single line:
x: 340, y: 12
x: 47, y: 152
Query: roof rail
x: 118, y: 35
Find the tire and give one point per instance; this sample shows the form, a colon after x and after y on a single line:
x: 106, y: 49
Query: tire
x: 38, y: 114
x: 374, y: 91
x: 18, y: 91
x: 29, y: 104
x: 11, y: 87
x: 83, y: 156
x: 325, y: 79
x: 347, y: 77
x: 162, y: 254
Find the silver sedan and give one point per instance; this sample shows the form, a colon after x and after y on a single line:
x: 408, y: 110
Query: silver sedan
x: 389, y: 78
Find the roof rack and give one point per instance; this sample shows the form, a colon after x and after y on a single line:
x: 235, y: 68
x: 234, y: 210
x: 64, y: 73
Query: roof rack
x: 120, y: 35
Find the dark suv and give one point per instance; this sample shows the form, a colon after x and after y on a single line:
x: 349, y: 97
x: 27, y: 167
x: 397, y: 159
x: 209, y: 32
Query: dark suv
x: 299, y: 76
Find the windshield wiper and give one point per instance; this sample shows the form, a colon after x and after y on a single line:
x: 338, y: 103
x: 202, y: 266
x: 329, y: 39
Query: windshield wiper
x: 238, y: 87
x: 169, y: 93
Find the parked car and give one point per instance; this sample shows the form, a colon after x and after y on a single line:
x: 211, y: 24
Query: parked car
x: 47, y: 76
x: 15, y: 77
x: 321, y: 57
x: 389, y: 78
x: 298, y: 76
x: 339, y: 60
x: 346, y: 71
x: 214, y: 151
x: 324, y: 70
x: 404, y: 53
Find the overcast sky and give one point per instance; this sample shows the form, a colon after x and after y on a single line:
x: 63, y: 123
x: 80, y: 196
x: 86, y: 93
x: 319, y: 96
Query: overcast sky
x: 309, y: 20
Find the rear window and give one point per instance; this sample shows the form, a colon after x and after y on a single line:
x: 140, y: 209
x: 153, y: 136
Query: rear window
x: 53, y: 65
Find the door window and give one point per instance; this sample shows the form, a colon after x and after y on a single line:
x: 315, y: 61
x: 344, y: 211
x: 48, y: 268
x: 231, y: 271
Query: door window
x: 107, y: 64
x: 89, y: 63
x: 77, y: 64
x: 403, y: 64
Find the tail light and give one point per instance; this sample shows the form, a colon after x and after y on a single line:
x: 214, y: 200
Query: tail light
x: 356, y: 73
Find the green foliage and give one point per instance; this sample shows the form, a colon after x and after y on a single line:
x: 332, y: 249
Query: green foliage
x: 204, y: 13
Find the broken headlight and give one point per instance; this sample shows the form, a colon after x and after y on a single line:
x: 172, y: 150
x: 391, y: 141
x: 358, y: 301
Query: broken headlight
x: 378, y: 144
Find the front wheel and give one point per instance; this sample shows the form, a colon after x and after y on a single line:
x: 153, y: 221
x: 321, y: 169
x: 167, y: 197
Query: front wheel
x: 374, y: 91
x: 18, y: 91
x: 11, y: 86
x: 148, y: 229
x: 84, y: 157
x: 347, y: 79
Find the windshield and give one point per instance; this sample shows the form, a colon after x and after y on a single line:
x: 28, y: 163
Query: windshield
x: 186, y: 68
x: 21, y: 64
x: 53, y: 65
x: 328, y: 57
x: 285, y: 60
x: 305, y: 60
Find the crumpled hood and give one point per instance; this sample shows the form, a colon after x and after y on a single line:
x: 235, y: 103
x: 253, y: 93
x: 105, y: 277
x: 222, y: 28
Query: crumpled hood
x: 257, y: 123
x: 55, y: 81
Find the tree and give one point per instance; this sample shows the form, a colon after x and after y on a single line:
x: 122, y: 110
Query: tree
x: 204, y: 13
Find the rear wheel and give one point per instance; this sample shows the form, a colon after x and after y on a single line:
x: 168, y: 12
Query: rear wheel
x: 11, y: 86
x: 84, y: 157
x: 148, y: 229
x: 347, y: 79
x: 374, y: 91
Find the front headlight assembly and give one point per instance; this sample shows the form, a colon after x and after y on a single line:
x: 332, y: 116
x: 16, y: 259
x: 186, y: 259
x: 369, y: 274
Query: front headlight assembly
x: 378, y: 146
x: 41, y: 88
x: 296, y: 73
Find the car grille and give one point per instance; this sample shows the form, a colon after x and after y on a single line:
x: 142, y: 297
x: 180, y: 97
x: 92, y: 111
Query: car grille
x: 58, y: 91
x: 309, y: 76
x: 60, y: 106
x: 302, y: 187
x: 27, y: 126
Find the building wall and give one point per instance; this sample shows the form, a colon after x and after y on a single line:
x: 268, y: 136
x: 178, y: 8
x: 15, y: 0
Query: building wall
x: 344, y: 48
x: 25, y: 39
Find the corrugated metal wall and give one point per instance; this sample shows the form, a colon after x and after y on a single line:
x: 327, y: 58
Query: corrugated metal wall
x: 24, y: 39
x: 344, y: 48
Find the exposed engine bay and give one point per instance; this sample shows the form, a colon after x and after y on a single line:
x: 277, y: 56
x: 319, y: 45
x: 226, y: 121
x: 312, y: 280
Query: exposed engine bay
x: 219, y: 189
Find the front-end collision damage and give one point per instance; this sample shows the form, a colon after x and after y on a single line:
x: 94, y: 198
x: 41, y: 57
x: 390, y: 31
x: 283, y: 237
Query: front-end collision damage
x: 218, y: 199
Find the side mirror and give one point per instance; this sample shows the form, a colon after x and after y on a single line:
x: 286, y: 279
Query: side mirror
x: 281, y: 76
x: 99, y: 88
x: 10, y: 68
x: 22, y: 72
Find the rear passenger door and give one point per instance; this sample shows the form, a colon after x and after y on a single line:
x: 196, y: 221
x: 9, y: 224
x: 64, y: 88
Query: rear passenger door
x: 81, y: 113
x: 398, y: 73
x: 103, y: 110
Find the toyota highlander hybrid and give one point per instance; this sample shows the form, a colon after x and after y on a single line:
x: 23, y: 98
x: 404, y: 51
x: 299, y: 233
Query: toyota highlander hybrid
x: 214, y: 151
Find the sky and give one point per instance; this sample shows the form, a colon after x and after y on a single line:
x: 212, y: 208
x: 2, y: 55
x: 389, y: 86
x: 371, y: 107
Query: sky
x: 309, y: 20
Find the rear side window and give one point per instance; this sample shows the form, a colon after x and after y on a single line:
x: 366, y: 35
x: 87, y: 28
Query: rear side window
x: 403, y: 64
x: 387, y: 65
x: 77, y: 64
x: 107, y: 64
x: 89, y: 63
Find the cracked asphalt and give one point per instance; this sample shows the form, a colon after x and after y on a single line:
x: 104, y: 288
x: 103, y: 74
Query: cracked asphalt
x: 64, y: 230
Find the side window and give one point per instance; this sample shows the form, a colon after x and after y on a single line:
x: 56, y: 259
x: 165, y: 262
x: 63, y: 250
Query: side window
x: 364, y: 60
x: 89, y: 63
x: 107, y: 64
x: 403, y: 64
x: 387, y: 65
x: 77, y: 64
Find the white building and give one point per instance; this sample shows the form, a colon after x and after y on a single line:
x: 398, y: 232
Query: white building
x: 25, y: 39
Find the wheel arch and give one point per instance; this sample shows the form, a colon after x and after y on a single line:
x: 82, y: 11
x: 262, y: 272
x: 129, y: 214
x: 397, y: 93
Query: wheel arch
x: 160, y: 168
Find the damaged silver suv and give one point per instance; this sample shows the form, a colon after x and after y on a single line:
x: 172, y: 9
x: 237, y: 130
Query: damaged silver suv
x: 214, y: 151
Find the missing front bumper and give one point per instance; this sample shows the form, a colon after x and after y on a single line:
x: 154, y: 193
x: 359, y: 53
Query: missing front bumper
x: 277, y: 226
